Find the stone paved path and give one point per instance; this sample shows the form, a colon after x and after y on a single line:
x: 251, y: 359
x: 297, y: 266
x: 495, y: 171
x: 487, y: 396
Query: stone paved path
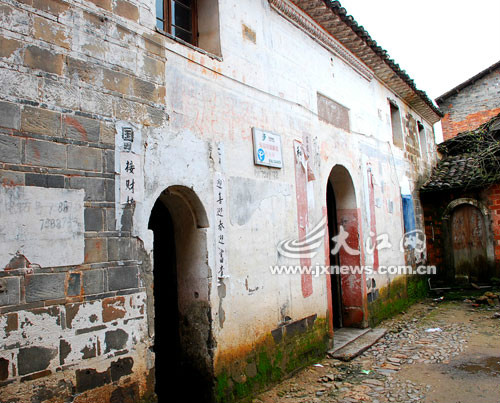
x: 445, y: 352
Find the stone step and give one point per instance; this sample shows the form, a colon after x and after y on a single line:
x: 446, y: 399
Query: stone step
x: 357, y: 345
x: 346, y: 335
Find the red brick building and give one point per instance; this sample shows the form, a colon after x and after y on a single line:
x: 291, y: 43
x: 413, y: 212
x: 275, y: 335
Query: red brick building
x: 461, y: 199
x: 472, y: 103
x: 461, y: 203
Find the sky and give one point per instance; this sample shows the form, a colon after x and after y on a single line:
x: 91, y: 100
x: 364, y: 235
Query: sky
x: 440, y: 43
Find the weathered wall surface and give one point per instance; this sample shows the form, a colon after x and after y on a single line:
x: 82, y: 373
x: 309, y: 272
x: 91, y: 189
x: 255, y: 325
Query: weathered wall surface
x: 73, y: 304
x: 73, y: 77
x: 472, y: 106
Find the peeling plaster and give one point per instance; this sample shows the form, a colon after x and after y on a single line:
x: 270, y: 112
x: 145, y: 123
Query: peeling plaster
x: 247, y: 195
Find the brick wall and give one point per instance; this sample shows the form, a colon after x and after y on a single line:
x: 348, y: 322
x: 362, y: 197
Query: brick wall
x: 493, y: 198
x: 433, y: 225
x: 68, y: 72
x: 472, y: 106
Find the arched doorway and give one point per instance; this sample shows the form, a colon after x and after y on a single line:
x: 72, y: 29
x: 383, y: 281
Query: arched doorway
x: 468, y: 242
x: 183, y: 343
x: 336, y: 287
x: 343, y: 219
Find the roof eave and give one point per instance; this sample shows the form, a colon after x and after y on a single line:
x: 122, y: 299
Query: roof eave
x: 357, y: 40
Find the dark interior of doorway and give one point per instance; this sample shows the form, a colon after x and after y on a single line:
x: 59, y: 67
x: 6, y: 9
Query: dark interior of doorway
x: 334, y: 259
x: 176, y: 379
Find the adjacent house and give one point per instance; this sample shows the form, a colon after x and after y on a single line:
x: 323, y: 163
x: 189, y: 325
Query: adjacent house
x: 461, y: 206
x: 160, y: 159
x: 460, y: 198
x: 472, y: 103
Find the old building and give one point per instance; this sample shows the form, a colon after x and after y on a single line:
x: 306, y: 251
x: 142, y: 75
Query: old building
x: 461, y: 206
x: 158, y: 159
x: 461, y: 196
x: 472, y: 103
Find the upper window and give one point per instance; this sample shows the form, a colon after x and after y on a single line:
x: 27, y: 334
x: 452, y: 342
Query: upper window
x: 179, y: 18
x: 397, y: 130
x: 423, y: 140
x: 194, y: 21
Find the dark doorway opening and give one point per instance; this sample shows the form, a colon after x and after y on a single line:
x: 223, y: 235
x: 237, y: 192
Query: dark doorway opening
x: 347, y: 287
x: 334, y: 258
x: 180, y: 337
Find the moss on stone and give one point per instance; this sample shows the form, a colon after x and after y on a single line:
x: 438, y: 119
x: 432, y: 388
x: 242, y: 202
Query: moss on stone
x: 272, y: 362
x: 397, y: 296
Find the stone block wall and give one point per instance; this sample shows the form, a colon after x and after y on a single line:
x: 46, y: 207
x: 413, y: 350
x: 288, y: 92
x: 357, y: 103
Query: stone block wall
x: 68, y: 72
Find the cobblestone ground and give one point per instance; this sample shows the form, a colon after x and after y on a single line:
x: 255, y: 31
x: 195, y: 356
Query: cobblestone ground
x: 447, y: 352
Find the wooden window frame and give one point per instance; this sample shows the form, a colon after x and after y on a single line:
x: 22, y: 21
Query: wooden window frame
x: 167, y: 21
x: 396, y: 125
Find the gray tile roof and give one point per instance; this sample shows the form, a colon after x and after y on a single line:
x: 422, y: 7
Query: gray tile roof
x: 471, y: 160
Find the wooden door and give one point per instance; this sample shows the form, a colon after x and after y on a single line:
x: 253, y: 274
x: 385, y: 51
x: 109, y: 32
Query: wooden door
x: 469, y: 243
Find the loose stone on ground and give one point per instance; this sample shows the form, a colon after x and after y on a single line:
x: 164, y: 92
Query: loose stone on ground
x: 430, y: 335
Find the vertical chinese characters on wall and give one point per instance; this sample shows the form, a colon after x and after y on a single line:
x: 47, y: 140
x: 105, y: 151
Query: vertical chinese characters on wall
x: 220, y: 227
x: 130, y: 169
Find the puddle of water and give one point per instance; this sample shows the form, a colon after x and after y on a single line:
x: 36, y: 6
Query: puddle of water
x: 483, y: 366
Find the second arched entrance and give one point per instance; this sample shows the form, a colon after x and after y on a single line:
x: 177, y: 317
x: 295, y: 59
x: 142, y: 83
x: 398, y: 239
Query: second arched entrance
x: 347, y: 284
